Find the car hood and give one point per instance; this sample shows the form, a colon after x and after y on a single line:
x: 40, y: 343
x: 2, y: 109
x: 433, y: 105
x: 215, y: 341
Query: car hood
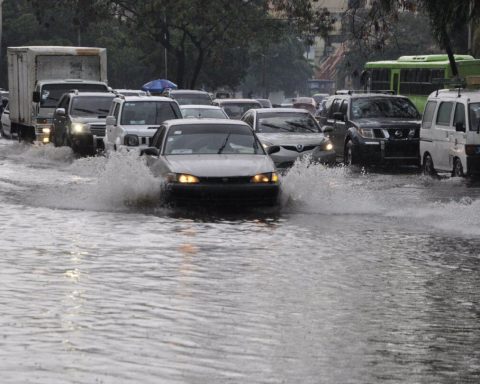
x: 89, y: 120
x: 141, y: 130
x: 220, y: 165
x: 292, y: 138
x: 386, y: 122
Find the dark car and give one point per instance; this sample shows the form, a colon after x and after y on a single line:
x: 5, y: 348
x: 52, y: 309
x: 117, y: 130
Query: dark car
x: 190, y: 97
x: 79, y: 121
x: 212, y: 160
x: 369, y: 129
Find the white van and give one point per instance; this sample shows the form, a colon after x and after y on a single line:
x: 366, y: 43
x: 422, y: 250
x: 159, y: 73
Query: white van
x: 450, y: 133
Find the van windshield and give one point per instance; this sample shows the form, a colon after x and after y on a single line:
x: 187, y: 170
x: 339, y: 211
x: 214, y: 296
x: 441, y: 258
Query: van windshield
x: 51, y: 93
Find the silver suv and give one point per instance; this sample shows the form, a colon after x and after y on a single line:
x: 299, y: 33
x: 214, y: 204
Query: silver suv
x: 133, y: 120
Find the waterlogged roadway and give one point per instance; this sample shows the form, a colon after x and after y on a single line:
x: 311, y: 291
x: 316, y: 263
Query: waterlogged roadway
x: 356, y: 278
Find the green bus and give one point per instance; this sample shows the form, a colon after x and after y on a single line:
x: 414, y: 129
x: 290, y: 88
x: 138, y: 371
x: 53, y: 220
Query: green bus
x: 414, y: 76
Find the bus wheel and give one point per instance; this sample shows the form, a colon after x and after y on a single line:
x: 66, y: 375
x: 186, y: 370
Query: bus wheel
x: 457, y: 168
x: 428, y: 168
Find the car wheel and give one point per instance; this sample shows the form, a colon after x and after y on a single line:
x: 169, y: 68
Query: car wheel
x: 428, y: 168
x: 457, y: 168
x: 348, y: 154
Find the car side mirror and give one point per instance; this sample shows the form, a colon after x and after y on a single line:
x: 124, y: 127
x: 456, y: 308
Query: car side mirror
x: 111, y: 120
x: 273, y: 149
x: 36, y: 97
x: 459, y: 126
x: 60, y: 111
x: 327, y: 129
x: 339, y: 116
x: 150, y: 151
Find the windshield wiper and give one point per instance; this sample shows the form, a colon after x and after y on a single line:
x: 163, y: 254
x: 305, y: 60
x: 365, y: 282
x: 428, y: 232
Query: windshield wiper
x: 298, y: 125
x: 85, y: 110
x: 220, y: 150
x: 275, y: 126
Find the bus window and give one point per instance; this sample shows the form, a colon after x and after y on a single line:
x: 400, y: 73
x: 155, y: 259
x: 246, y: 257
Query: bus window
x: 380, y: 79
x: 428, y: 114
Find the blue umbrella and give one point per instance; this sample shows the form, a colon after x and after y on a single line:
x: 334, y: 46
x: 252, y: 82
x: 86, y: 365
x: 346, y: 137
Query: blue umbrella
x: 158, y: 86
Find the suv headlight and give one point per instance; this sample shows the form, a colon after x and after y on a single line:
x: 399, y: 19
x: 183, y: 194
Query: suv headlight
x: 80, y: 128
x: 327, y: 146
x: 367, y: 133
x: 131, y: 140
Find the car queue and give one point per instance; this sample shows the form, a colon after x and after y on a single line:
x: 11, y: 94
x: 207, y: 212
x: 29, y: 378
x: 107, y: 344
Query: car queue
x: 352, y: 128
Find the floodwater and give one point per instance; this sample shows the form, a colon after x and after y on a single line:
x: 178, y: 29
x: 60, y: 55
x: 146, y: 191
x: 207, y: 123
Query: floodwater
x: 358, y: 277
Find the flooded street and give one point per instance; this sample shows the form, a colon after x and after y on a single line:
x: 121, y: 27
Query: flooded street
x: 356, y: 278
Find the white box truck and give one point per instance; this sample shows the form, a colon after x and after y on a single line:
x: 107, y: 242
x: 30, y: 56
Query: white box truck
x: 39, y: 75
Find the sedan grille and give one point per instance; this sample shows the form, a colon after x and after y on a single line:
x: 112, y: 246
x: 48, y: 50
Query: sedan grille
x: 298, y: 148
x: 97, y: 130
x: 226, y: 180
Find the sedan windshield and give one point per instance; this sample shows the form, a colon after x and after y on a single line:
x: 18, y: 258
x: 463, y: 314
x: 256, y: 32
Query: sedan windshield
x: 211, y: 139
x: 286, y: 122
x: 91, y: 106
x: 214, y: 113
x: 374, y: 107
x: 188, y: 98
x: 236, y: 110
x: 147, y: 112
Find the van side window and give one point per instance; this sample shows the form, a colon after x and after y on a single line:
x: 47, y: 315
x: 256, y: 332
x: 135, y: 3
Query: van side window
x: 428, y: 114
x: 459, y: 116
x: 444, y: 113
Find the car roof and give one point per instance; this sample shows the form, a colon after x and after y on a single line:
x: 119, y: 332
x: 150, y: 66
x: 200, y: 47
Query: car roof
x: 455, y: 94
x: 144, y: 98
x: 90, y: 94
x: 200, y: 106
x: 280, y: 110
x: 186, y: 91
x: 71, y: 81
x: 233, y: 101
x: 365, y: 95
x: 179, y: 122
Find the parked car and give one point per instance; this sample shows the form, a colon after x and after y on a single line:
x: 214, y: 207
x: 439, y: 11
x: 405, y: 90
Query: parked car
x: 294, y: 131
x: 133, y: 120
x: 235, y: 108
x: 266, y: 103
x: 203, y: 111
x: 212, y: 160
x: 450, y: 133
x: 79, y: 121
x: 373, y: 128
x: 6, y: 126
x: 190, y: 96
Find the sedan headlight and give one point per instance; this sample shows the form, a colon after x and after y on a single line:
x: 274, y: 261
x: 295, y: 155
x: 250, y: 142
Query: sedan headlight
x: 182, y: 178
x: 367, y: 133
x: 266, y: 145
x: 264, y: 178
x: 80, y: 128
x: 131, y: 140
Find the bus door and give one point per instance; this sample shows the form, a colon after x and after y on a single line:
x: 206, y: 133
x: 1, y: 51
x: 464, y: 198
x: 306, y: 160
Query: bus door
x: 395, y: 81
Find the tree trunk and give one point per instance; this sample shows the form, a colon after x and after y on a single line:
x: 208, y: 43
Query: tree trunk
x: 451, y: 57
x: 197, y: 69
x: 180, y: 54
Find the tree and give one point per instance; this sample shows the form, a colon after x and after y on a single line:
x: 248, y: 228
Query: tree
x: 374, y: 28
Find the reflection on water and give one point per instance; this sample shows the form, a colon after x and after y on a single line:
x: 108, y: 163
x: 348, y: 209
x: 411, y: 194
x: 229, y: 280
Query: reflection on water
x: 357, y: 278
